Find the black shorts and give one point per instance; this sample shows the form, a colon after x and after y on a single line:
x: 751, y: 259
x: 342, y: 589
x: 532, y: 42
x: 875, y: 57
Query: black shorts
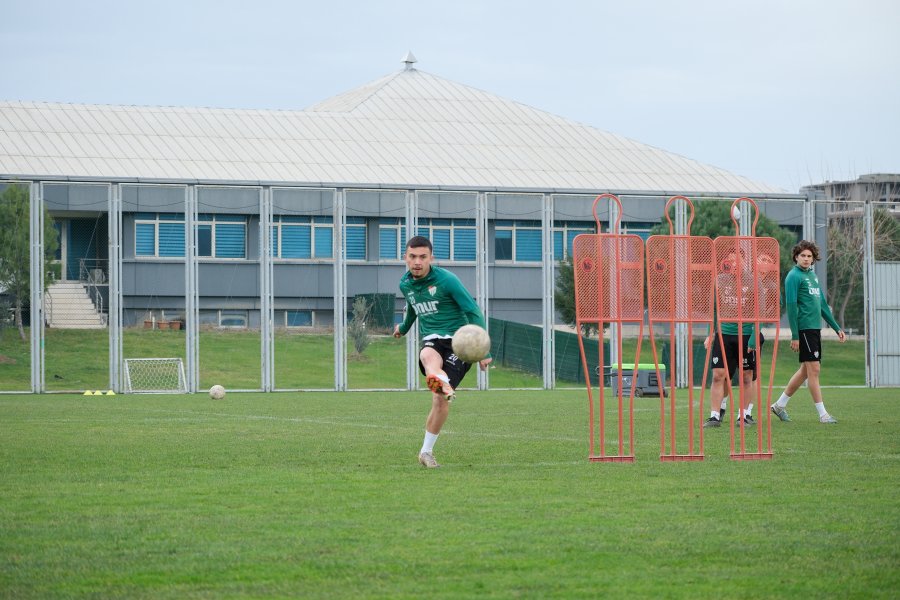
x: 731, y: 354
x: 454, y: 367
x: 810, y: 345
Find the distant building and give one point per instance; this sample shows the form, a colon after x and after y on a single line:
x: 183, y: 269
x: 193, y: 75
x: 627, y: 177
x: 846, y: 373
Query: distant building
x: 848, y: 196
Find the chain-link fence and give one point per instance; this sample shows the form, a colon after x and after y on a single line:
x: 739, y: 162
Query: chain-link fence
x: 254, y: 286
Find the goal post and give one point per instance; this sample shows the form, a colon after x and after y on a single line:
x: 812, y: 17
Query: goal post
x: 154, y: 376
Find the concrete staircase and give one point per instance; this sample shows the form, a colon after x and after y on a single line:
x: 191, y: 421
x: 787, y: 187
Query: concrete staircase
x: 68, y: 306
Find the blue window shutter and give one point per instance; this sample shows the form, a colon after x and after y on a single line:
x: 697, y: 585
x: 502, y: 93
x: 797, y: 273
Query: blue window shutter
x: 441, y: 242
x: 528, y: 245
x: 324, y: 242
x: 571, y: 238
x: 275, y: 242
x: 558, y: 245
x: 464, y: 244
x: 387, y: 242
x: 355, y: 241
x: 171, y: 239
x: 230, y: 240
x: 295, y: 241
x: 145, y: 239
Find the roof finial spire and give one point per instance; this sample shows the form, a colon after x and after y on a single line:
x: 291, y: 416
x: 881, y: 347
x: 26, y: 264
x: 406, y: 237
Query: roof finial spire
x: 409, y: 60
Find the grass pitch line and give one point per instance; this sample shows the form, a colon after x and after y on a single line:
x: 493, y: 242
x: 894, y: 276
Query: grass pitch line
x: 334, y: 422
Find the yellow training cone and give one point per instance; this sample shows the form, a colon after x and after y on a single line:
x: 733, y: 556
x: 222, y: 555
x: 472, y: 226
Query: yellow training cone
x: 88, y: 393
x: 110, y: 393
x: 98, y: 393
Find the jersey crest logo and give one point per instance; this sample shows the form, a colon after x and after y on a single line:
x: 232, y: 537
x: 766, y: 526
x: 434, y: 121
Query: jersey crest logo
x: 715, y: 360
x: 432, y: 289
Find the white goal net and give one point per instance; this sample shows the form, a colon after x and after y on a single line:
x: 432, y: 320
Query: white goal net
x: 154, y: 376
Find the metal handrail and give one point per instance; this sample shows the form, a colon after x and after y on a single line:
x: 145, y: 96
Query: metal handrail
x: 93, y: 276
x: 48, y: 307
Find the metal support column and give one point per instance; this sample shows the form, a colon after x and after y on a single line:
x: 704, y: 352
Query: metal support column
x: 340, y: 291
x: 481, y: 270
x: 683, y: 332
x: 869, y: 296
x: 36, y: 255
x: 191, y: 292
x: 114, y: 320
x: 809, y: 217
x: 614, y: 332
x: 266, y: 295
x: 412, y: 336
x: 547, y: 271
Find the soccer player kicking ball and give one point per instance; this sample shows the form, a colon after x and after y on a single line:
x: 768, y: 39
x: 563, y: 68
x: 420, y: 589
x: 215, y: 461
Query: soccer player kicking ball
x: 806, y: 308
x: 441, y: 303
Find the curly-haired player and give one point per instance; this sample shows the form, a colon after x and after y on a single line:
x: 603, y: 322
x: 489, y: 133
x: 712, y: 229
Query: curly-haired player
x: 806, y: 308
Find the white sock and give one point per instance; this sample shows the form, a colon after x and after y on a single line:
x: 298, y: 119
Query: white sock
x: 782, y: 402
x: 714, y: 414
x: 820, y: 406
x: 749, y: 410
x: 428, y: 444
x: 724, y: 403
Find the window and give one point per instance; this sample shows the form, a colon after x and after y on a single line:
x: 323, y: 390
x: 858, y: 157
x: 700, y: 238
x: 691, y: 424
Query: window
x: 298, y: 318
x: 355, y: 238
x: 313, y: 237
x: 161, y: 235
x: 452, y: 239
x: 237, y: 319
x: 517, y: 241
x: 391, y: 238
x: 222, y: 236
x: 233, y: 318
x: 563, y: 234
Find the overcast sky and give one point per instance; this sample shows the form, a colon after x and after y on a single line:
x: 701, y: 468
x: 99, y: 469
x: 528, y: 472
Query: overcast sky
x: 787, y: 92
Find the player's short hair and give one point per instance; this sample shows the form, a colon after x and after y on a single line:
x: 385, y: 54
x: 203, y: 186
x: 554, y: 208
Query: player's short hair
x: 419, y: 241
x: 805, y: 245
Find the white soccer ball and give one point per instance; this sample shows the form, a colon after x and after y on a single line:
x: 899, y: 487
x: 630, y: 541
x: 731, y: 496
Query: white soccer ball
x: 735, y: 213
x: 217, y: 392
x: 471, y: 343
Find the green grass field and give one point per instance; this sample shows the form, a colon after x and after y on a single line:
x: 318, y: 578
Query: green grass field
x: 319, y: 495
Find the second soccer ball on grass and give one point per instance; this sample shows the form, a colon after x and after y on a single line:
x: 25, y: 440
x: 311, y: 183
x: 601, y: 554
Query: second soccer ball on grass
x: 217, y: 392
x: 471, y: 343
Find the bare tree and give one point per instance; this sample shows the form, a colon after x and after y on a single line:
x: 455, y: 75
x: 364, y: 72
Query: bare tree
x: 846, y: 253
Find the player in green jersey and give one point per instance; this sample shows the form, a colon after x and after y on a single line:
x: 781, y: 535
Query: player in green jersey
x: 731, y: 352
x: 441, y: 304
x: 806, y: 308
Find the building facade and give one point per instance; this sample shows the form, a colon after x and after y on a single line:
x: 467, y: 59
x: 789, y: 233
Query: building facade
x: 250, y: 219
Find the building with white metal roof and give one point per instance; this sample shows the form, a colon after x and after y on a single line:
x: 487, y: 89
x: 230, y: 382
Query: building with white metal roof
x: 275, y: 220
x: 409, y: 129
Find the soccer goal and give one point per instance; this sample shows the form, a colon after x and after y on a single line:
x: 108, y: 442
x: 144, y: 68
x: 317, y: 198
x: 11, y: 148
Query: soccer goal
x: 154, y: 376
